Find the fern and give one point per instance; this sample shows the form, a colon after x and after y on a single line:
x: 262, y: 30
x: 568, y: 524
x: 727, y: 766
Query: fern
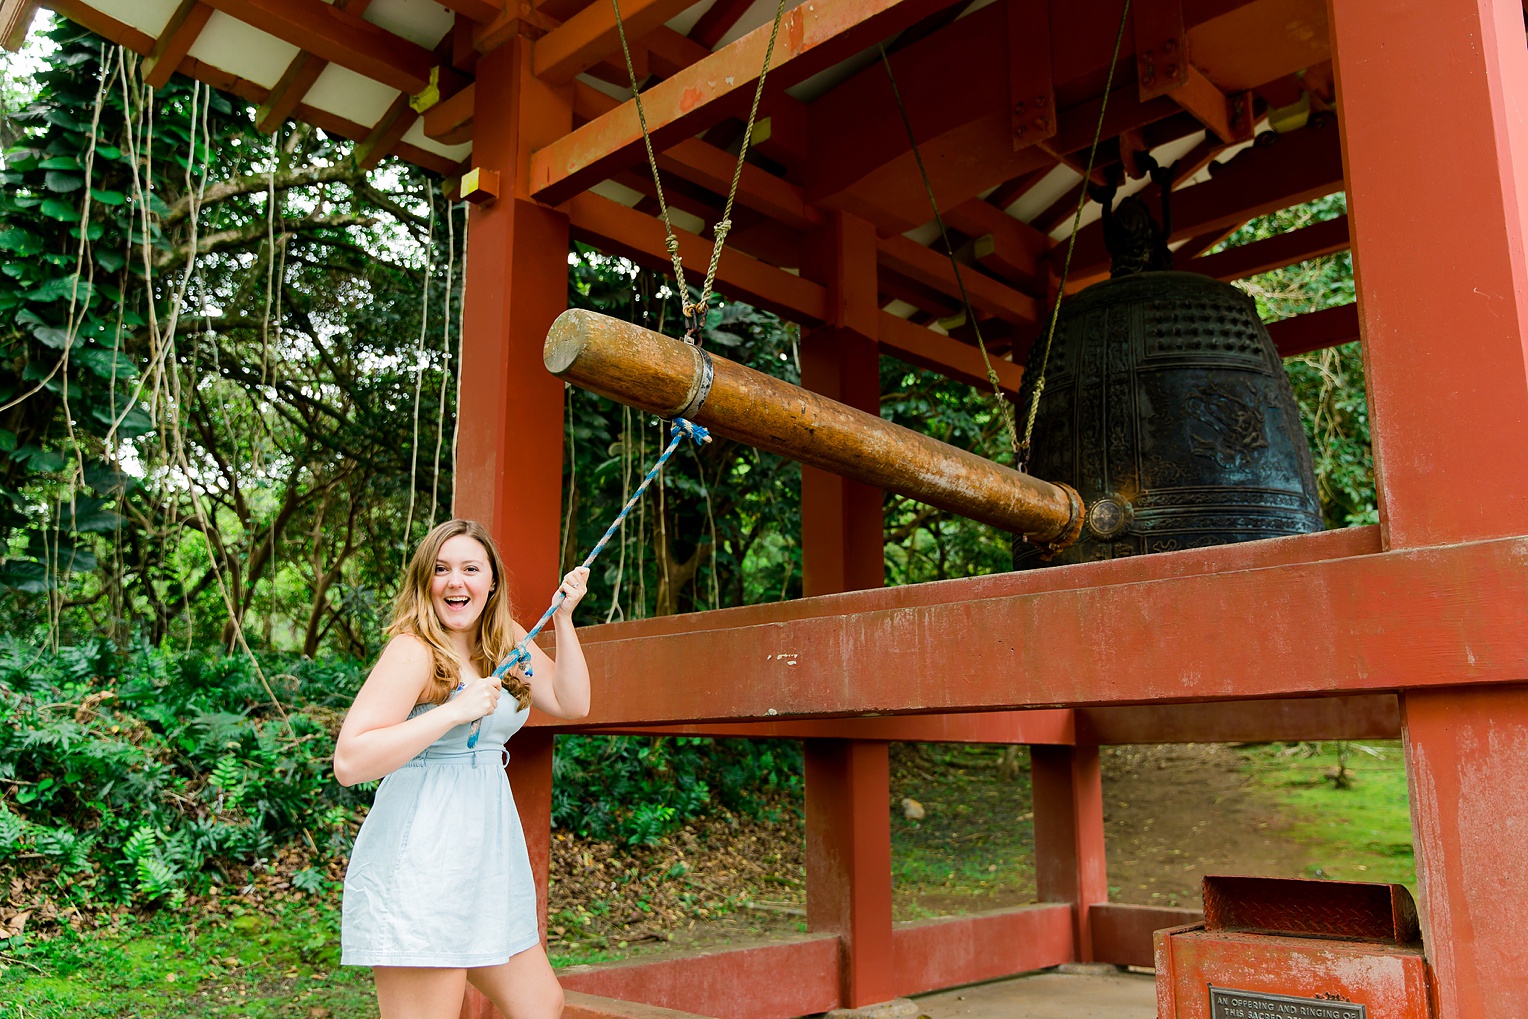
x: 12, y: 829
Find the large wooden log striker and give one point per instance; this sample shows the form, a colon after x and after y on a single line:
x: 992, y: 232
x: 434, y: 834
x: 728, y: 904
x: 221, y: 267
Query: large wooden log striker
x: 660, y: 375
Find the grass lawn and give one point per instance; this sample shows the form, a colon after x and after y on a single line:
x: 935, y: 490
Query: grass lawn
x: 1359, y: 833
x: 223, y: 965
x: 973, y: 848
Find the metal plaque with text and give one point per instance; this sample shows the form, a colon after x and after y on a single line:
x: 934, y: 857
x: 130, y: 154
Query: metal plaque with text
x: 1227, y: 1003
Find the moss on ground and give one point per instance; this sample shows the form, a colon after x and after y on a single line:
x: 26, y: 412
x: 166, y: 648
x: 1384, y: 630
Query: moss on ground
x: 1359, y: 827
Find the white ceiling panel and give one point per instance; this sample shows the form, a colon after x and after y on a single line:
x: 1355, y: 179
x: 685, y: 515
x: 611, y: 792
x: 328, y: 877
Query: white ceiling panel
x: 344, y: 93
x: 149, y: 16
x: 422, y: 21
x: 416, y: 136
x: 230, y: 45
x: 616, y: 192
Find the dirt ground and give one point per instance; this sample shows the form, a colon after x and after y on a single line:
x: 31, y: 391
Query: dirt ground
x: 1171, y: 814
x: 1175, y: 813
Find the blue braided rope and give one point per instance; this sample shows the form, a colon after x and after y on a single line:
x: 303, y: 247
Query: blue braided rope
x: 682, y: 430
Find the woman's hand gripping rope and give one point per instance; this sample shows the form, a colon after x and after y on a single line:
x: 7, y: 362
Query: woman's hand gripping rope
x: 566, y: 598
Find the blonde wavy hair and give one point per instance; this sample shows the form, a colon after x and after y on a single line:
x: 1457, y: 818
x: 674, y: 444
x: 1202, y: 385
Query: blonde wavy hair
x: 414, y: 614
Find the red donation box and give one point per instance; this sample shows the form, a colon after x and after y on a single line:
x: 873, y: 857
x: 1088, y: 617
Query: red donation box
x: 1281, y: 948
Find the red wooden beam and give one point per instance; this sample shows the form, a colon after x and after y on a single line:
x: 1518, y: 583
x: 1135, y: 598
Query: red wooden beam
x: 288, y: 92
x: 1443, y: 286
x: 1228, y: 118
x: 925, y: 348
x: 950, y: 951
x: 812, y: 36
x: 340, y: 37
x: 738, y: 983
x: 712, y: 168
x: 614, y: 228
x: 618, y: 230
x: 718, y: 20
x: 175, y: 40
x: 450, y: 120
x: 1045, y: 725
x: 932, y: 268
x: 1122, y: 933
x: 1400, y: 619
x: 1314, y: 241
x: 1350, y: 716
x: 1315, y: 330
x: 104, y: 25
x: 1067, y: 783
x: 1009, y: 247
x: 848, y: 862
x: 590, y: 36
x: 386, y: 134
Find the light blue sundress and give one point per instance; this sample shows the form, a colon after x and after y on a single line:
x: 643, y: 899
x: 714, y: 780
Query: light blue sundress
x: 439, y: 875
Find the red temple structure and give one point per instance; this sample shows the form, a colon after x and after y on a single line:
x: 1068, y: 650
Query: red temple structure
x: 1417, y: 627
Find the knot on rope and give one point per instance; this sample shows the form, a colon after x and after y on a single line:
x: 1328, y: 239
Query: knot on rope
x: 698, y: 434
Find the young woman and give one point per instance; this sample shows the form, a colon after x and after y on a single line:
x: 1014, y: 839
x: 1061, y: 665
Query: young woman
x: 439, y: 892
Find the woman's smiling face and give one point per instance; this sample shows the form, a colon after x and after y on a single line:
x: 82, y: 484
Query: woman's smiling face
x: 463, y: 578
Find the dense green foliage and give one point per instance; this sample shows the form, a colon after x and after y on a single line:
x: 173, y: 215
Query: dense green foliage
x: 142, y: 776
x: 637, y: 788
x: 226, y: 407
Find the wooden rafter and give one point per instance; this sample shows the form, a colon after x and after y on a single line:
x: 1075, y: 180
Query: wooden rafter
x: 814, y: 36
x: 175, y: 41
x: 718, y: 21
x: 15, y: 19
x: 590, y: 36
x: 932, y: 269
x: 298, y: 77
x: 1315, y: 330
x: 341, y: 37
x: 1314, y: 241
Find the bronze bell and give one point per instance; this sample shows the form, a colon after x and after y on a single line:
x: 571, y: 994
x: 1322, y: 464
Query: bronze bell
x: 1167, y: 407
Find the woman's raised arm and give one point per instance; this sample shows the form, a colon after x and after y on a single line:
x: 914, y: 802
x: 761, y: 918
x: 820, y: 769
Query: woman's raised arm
x: 561, y: 688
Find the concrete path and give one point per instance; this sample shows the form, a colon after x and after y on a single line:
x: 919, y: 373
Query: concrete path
x: 1116, y: 995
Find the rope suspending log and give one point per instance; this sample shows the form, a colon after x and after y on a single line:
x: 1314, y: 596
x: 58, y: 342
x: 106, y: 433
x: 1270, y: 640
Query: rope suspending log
x: 695, y: 311
x: 521, y: 654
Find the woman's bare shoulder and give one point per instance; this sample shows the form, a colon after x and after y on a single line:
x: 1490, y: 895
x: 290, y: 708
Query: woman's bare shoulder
x: 406, y: 655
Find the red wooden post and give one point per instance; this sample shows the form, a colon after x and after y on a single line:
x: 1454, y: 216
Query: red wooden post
x: 848, y: 823
x: 1443, y: 297
x: 509, y: 461
x: 1069, y: 834
x: 1467, y: 767
x: 1442, y: 272
x: 848, y: 862
x: 841, y: 521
